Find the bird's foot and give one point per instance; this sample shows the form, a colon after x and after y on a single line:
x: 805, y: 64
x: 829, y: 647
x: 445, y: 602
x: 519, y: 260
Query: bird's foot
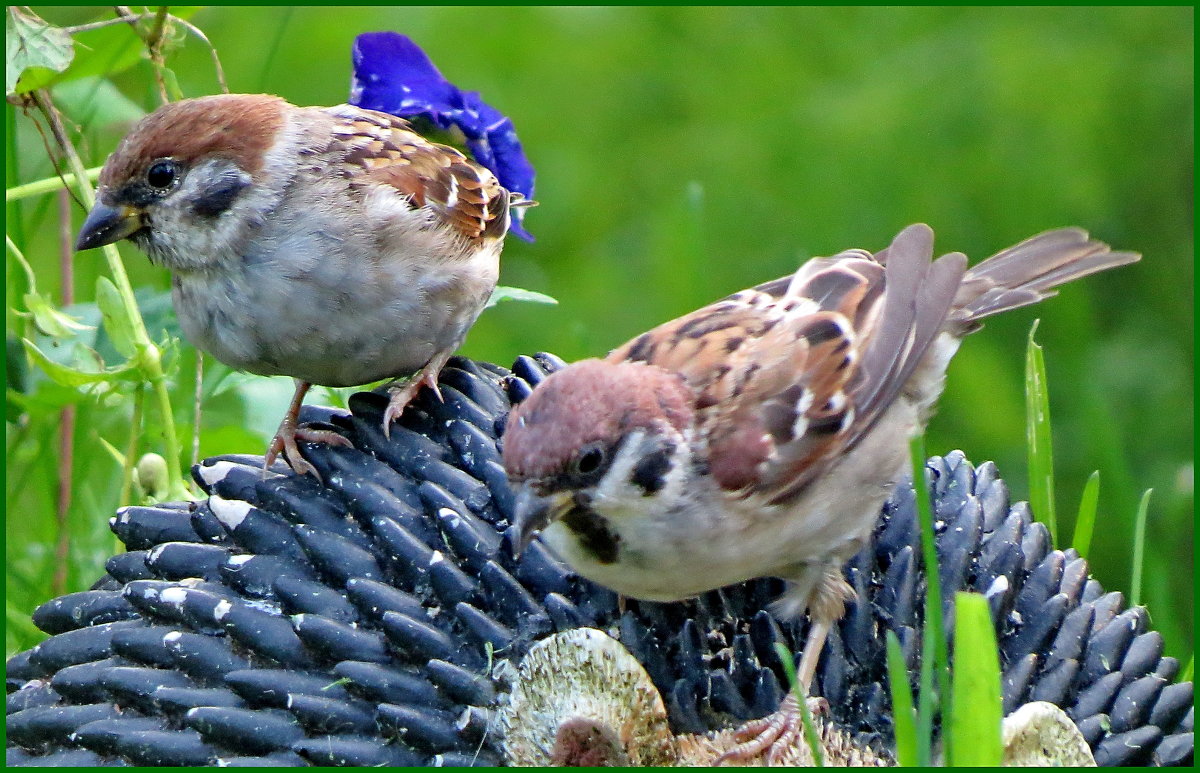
x: 285, y: 441
x: 401, y: 395
x: 773, y: 734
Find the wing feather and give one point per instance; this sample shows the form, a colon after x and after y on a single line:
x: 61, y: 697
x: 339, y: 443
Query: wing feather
x: 792, y: 373
x: 381, y: 149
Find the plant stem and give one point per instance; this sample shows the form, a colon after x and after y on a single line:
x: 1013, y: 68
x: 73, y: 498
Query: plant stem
x: 47, y: 185
x: 153, y: 39
x: 149, y: 357
x: 130, y: 460
x: 66, y: 423
x: 197, y: 410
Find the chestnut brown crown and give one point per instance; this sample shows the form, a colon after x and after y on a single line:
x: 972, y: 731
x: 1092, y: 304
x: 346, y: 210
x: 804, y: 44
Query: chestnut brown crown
x: 590, y: 402
x: 240, y: 127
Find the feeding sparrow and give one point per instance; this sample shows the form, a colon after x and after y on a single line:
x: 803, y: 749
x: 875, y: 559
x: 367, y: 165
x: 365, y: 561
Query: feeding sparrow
x: 760, y: 435
x: 334, y: 245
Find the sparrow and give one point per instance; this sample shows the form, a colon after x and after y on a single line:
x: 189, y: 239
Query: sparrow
x: 334, y: 245
x: 760, y: 435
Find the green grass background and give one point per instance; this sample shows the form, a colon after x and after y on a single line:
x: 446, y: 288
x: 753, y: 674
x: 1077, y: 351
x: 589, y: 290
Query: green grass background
x: 686, y: 153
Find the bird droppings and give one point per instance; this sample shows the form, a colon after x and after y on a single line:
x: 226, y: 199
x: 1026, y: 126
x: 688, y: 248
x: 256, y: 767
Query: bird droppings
x: 322, y: 606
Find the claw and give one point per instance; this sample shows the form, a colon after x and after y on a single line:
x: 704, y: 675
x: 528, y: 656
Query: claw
x: 288, y: 433
x: 782, y: 730
x: 773, y: 734
x: 401, y: 396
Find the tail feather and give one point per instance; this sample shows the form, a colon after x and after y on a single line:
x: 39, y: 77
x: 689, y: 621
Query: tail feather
x: 1028, y: 272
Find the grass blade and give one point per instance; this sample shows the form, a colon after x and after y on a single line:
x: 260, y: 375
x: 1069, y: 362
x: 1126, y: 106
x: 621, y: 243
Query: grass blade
x: 926, y: 700
x: 1188, y: 670
x: 975, y: 734
x: 903, y: 715
x: 934, y: 652
x: 810, y: 730
x: 1037, y: 431
x: 1139, y: 549
x: 1085, y: 522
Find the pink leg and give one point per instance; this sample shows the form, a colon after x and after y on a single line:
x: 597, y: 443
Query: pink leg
x: 776, y: 733
x: 401, y: 396
x: 287, y: 434
x: 782, y: 730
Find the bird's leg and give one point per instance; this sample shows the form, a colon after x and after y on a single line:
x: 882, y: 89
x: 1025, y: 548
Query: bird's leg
x: 288, y: 433
x: 401, y: 396
x: 780, y: 731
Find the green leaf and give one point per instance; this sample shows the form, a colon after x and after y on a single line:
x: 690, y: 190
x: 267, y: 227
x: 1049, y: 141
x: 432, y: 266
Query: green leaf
x: 1037, y: 431
x: 49, y: 320
x: 117, y: 322
x: 810, y: 731
x: 107, y: 51
x: 32, y: 46
x: 975, y: 723
x: 517, y: 294
x: 1085, y: 522
x: 95, y: 101
x: 74, y: 377
x: 1139, y: 548
x: 904, y: 717
x: 935, y: 657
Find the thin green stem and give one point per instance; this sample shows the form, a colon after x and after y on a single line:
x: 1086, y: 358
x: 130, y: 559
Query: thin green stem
x: 135, y: 434
x: 149, y: 358
x: 198, y: 407
x: 47, y: 185
x: 30, y: 277
x: 67, y: 416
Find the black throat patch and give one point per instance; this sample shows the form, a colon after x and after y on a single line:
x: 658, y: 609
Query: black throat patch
x: 594, y: 533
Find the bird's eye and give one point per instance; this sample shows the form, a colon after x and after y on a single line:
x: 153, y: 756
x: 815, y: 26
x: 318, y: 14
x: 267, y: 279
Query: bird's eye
x: 589, y: 460
x: 162, y: 174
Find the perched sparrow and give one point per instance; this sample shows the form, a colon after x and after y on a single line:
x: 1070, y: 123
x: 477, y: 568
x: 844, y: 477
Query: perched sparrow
x: 334, y: 245
x: 759, y: 436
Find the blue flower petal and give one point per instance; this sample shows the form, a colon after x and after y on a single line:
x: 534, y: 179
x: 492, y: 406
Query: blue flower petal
x: 393, y: 75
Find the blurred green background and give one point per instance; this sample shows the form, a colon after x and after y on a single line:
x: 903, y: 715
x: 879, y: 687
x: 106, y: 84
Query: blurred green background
x: 683, y: 154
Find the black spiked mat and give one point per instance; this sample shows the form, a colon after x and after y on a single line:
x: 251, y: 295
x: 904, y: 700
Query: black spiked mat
x: 357, y: 620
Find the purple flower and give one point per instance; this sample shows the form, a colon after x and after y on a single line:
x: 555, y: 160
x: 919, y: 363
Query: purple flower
x: 393, y: 75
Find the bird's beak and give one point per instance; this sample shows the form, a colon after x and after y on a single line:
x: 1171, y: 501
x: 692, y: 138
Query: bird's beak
x: 108, y: 225
x: 533, y: 513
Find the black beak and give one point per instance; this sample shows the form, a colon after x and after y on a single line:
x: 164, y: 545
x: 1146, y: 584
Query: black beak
x: 533, y: 513
x: 108, y: 225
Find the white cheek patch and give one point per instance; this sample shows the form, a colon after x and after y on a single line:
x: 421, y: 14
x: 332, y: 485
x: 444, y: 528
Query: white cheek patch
x: 618, y: 491
x: 615, y: 486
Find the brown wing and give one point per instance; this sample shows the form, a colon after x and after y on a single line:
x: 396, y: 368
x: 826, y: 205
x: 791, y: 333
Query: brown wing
x: 792, y: 373
x: 383, y: 149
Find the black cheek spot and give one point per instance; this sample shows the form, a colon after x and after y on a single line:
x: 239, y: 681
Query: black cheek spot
x: 594, y: 534
x: 220, y: 195
x: 650, y: 474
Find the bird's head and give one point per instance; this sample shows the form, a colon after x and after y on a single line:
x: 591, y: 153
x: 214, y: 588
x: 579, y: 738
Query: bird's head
x: 594, y: 431
x: 178, y: 184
